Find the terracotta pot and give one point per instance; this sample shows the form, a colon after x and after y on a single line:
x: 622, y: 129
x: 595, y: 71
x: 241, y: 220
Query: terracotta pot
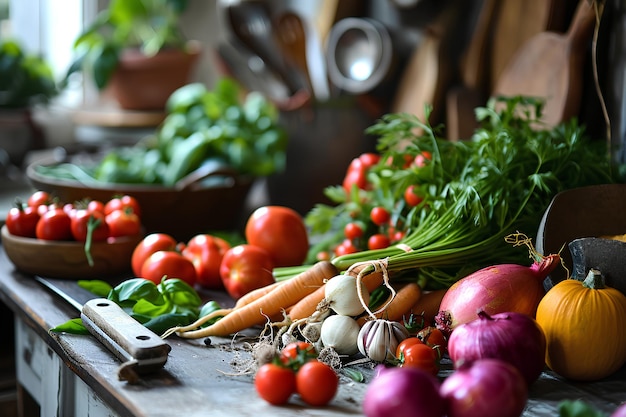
x: 145, y: 83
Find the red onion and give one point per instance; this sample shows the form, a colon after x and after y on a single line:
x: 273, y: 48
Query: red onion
x: 495, y: 289
x: 512, y: 337
x: 620, y: 411
x: 486, y: 388
x: 403, y: 392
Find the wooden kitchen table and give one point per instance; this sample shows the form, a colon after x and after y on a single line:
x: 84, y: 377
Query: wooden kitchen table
x: 71, y: 375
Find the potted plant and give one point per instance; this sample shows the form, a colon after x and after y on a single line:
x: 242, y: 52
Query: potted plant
x: 25, y: 80
x: 136, y: 50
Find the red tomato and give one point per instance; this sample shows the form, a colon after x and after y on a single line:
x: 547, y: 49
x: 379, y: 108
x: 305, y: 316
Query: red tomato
x: 39, y: 198
x: 369, y: 159
x: 433, y: 337
x: 409, y: 341
x: 421, y: 356
x: 206, y: 252
x: 316, y: 383
x: 245, y: 268
x: 168, y: 264
x: 152, y: 243
x: 274, y: 383
x: 421, y: 158
x: 345, y: 248
x: 355, y: 175
x: 54, y: 224
x: 123, y: 223
x: 411, y: 196
x: 352, y: 231
x: 380, y: 215
x: 95, y: 205
x: 22, y: 220
x: 378, y: 241
x: 296, y: 354
x: 281, y: 232
x: 122, y: 202
x: 82, y: 220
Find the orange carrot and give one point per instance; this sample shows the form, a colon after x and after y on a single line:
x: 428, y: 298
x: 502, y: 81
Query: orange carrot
x: 307, y: 306
x: 272, y: 303
x: 406, y: 297
x: 428, y: 305
x: 255, y: 294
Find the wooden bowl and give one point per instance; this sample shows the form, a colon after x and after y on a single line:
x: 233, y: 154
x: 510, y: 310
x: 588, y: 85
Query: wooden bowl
x: 211, y: 198
x: 57, y: 259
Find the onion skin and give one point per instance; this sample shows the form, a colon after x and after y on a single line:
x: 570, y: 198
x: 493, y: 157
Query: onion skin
x: 403, y: 392
x: 486, y: 388
x: 495, y: 289
x: 512, y: 337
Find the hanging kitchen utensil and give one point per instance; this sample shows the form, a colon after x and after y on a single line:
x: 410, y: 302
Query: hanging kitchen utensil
x: 250, y: 22
x: 359, y: 54
x: 550, y: 66
x: 291, y: 37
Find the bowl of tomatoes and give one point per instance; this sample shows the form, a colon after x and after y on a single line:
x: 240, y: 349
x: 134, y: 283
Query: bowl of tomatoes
x: 210, y: 198
x: 82, y: 240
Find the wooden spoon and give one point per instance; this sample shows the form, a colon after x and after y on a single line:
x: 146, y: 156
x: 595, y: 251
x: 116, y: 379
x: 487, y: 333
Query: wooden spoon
x: 550, y: 66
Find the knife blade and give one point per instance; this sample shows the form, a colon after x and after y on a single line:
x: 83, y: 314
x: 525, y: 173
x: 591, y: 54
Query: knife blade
x: 140, y: 350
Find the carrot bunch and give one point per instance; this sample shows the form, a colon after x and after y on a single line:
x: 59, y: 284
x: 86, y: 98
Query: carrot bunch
x: 300, y: 297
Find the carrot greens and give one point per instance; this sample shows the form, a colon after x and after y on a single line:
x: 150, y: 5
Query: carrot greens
x: 475, y: 192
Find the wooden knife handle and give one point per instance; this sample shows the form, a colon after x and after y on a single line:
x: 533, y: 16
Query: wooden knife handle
x: 124, y: 336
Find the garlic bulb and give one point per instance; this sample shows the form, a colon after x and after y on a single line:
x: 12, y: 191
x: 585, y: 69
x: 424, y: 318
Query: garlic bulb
x: 342, y: 295
x: 378, y: 339
x: 340, y: 333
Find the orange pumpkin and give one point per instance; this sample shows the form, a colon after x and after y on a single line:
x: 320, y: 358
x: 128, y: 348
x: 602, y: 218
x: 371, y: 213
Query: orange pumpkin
x: 585, y: 327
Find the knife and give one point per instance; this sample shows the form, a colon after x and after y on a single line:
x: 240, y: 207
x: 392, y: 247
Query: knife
x: 140, y: 350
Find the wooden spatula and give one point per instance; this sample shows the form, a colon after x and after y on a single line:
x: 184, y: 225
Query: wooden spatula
x: 550, y: 66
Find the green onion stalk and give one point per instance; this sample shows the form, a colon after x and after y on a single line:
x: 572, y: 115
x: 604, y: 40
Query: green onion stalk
x: 476, y: 192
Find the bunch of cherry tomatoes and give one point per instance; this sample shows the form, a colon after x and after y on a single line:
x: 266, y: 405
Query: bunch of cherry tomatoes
x: 296, y: 370
x: 274, y: 236
x: 44, y: 217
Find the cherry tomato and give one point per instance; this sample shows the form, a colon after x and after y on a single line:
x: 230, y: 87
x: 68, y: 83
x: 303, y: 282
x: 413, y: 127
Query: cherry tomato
x: 380, y: 215
x: 95, y: 205
x: 356, y: 175
x: 403, y: 345
x: 352, y: 231
x: 281, y: 232
x: 39, y: 198
x: 316, y: 383
x: 245, y: 268
x: 369, y: 159
x: 433, y: 337
x: 206, y: 252
x: 54, y: 224
x: 22, y: 220
x: 411, y: 197
x: 169, y: 264
x: 296, y: 354
x: 152, y: 243
x: 123, y: 222
x: 378, y: 241
x: 421, y: 356
x: 345, y: 248
x: 83, y: 220
x: 274, y: 383
x: 121, y: 202
x: 421, y: 158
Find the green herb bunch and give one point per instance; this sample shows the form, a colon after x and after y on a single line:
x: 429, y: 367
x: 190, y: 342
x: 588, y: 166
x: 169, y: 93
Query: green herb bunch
x: 475, y: 192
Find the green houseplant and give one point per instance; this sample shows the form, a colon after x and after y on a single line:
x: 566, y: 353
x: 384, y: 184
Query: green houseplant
x: 25, y: 80
x: 136, y: 49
